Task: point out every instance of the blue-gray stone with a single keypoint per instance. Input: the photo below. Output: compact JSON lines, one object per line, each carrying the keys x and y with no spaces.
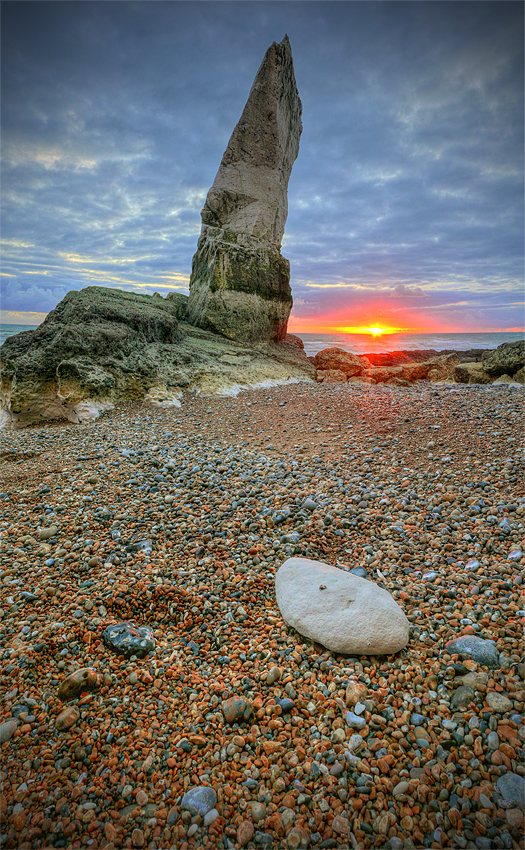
{"x":145,"y":546}
{"x":27,"y":596}
{"x":484,"y":843}
{"x":471,"y":646}
{"x":309,"y":505}
{"x":511,"y":786}
{"x":199,"y":800}
{"x":359,"y":571}
{"x":354,"y":721}
{"x":314,"y":770}
{"x":493,"y":741}
{"x":417,"y":719}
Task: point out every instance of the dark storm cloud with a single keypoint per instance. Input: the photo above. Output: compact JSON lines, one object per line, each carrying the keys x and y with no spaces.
{"x":409,"y":179}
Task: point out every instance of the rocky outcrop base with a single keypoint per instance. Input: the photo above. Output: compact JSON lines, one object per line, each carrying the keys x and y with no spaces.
{"x":239,"y":288}
{"x":101,"y":346}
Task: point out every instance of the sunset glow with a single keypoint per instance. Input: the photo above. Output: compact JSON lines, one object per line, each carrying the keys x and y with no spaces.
{"x":376,"y":331}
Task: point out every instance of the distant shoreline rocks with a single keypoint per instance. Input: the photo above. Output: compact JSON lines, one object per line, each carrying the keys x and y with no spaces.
{"x":401,"y":368}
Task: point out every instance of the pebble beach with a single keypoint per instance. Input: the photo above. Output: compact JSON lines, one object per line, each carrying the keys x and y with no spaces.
{"x":219,"y":726}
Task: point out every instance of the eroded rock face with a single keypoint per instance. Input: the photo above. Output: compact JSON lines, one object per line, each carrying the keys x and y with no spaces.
{"x":101,"y":346}
{"x":341,"y":611}
{"x":240,"y":282}
{"x":506,"y":359}
{"x":341,"y":360}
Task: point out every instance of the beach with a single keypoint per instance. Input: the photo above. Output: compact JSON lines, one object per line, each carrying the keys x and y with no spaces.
{"x":177,"y":520}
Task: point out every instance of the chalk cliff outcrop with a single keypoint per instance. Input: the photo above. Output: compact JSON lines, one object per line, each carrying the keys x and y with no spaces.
{"x":240,"y":282}
{"x":100,"y":346}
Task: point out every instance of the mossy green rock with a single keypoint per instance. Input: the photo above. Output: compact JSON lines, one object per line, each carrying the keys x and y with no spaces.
{"x":101,"y":346}
{"x":241,"y":291}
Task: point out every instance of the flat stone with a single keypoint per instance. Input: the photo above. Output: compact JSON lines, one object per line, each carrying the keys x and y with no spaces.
{"x":400,"y":788}
{"x":343,"y":612}
{"x":245,"y":832}
{"x":498,"y":702}
{"x":462,"y":697}
{"x":341,"y":825}
{"x":67,"y":718}
{"x":199,"y":800}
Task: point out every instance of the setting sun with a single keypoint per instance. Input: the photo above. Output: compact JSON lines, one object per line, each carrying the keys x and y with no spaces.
{"x":375,"y":331}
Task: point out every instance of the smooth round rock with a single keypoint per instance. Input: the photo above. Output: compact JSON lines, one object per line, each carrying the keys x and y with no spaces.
{"x":498,"y":702}
{"x":234,"y":709}
{"x":245,"y":832}
{"x":210,"y":817}
{"x":470,"y":646}
{"x":341,"y":611}
{"x":85,"y":679}
{"x":7,"y":730}
{"x":128,"y":639}
{"x":199,"y":800}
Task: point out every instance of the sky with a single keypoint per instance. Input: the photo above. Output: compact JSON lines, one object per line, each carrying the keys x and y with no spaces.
{"x":405,"y":202}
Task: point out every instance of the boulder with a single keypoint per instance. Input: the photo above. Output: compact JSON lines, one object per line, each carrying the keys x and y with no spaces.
{"x":341,"y":611}
{"x":101,"y":346}
{"x":506,"y":359}
{"x":471,"y":373}
{"x":341,"y":360}
{"x":240,"y":282}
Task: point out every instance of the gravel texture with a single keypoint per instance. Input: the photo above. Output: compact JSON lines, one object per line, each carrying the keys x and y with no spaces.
{"x":177,"y":520}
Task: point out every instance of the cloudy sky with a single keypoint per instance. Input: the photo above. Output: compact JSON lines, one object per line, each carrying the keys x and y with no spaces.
{"x":406,"y":200}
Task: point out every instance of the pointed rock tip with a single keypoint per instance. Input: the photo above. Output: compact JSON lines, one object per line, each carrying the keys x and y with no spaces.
{"x":284,"y":43}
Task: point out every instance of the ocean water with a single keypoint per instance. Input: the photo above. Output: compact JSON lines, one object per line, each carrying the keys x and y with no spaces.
{"x":368,"y":344}
{"x":11,"y":330}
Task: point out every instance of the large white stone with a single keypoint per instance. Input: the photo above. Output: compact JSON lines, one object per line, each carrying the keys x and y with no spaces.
{"x":341,"y":611}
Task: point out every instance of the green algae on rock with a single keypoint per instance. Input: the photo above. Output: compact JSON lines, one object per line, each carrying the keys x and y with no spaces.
{"x":101,"y":346}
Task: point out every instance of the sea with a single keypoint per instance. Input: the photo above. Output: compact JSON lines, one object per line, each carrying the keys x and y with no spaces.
{"x":11,"y":330}
{"x":368,"y":344}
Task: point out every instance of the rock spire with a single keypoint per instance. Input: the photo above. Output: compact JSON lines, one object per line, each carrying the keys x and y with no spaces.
{"x":240,"y":282}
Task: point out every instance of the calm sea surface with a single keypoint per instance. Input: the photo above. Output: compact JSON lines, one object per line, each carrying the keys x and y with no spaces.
{"x":11,"y":330}
{"x":365,"y":343}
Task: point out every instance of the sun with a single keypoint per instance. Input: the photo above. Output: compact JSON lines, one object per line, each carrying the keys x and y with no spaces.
{"x":375,"y":331}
